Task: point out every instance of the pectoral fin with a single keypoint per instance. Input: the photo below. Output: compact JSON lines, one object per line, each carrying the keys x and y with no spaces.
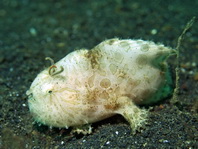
{"x":133,"y":114}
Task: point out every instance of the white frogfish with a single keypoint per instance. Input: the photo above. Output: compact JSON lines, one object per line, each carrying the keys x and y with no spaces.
{"x":87,"y":86}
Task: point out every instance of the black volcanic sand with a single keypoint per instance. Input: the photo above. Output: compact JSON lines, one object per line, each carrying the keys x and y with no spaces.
{"x":33,"y":30}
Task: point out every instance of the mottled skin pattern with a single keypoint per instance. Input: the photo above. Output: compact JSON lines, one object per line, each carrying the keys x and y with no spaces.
{"x":112,"y":78}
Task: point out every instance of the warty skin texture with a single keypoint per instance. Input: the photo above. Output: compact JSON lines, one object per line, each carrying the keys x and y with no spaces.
{"x":90,"y":85}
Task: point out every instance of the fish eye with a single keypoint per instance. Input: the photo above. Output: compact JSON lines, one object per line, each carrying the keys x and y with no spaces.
{"x":50,"y":92}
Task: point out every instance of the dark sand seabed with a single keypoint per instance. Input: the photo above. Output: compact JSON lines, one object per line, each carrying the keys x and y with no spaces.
{"x":31,"y":30}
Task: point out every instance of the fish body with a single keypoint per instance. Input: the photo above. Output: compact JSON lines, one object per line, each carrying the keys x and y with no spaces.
{"x":114,"y":77}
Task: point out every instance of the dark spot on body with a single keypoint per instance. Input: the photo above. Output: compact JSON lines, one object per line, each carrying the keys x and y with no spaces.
{"x":92,"y":95}
{"x":142,"y":60}
{"x":105,"y":83}
{"x":94,"y":56}
{"x":104,"y":95}
{"x":112,"y":41}
{"x":144,"y":48}
{"x":111,"y":106}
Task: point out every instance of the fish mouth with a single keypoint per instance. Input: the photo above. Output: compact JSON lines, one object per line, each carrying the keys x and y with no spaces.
{"x":28,"y":92}
{"x":30,"y":95}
